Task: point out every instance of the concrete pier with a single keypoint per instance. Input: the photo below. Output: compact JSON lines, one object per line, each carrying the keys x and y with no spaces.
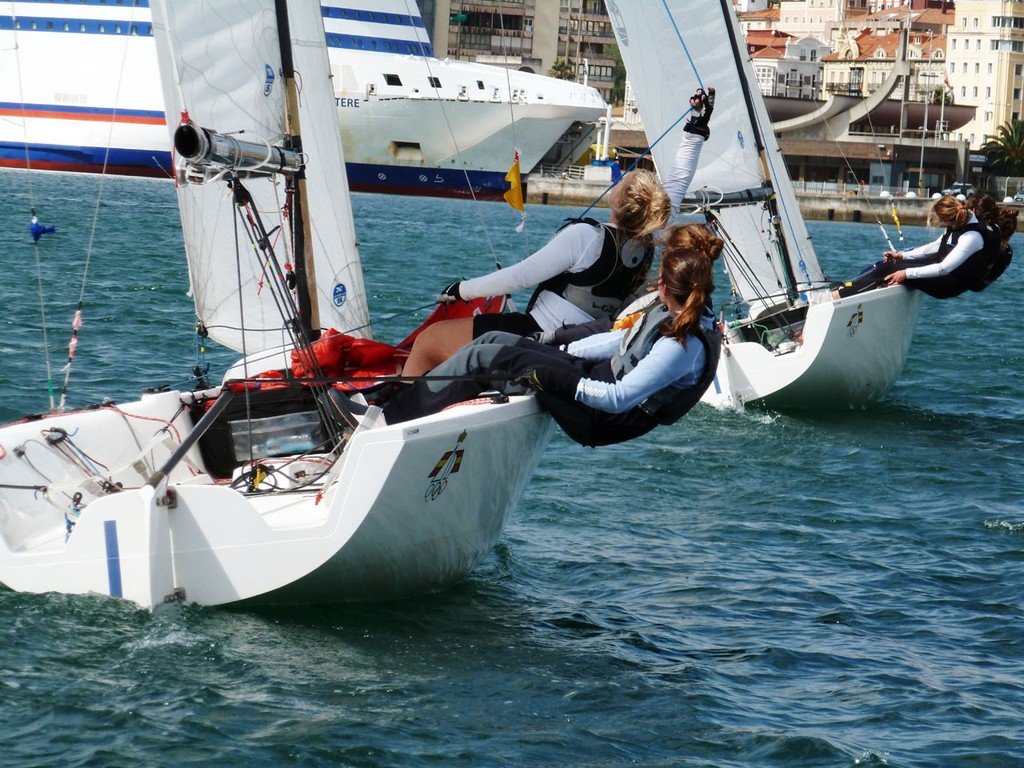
{"x":546,"y":190}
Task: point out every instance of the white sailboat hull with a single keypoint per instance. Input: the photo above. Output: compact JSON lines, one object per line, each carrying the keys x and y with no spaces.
{"x":410,"y":508}
{"x":850,"y":353}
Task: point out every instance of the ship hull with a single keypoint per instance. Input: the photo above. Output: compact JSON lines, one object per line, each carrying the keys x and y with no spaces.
{"x":410,"y":124}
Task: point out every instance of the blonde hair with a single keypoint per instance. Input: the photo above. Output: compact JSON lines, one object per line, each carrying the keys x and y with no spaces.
{"x":641,"y":204}
{"x":687,"y":271}
{"x":947,"y":211}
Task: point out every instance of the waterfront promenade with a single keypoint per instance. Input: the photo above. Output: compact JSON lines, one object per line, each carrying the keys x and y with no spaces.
{"x":816,"y":206}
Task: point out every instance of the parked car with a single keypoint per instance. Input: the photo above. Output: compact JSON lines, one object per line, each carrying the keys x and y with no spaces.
{"x":959,"y":188}
{"x":1019,"y":197}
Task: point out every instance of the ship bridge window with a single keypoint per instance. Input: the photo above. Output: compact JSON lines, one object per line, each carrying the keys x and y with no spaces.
{"x":392,"y":79}
{"x":435,"y":82}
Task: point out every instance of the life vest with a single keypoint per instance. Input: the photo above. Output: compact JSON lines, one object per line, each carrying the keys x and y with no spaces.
{"x":994,"y":267}
{"x":975,"y":267}
{"x":600,"y":288}
{"x":669,"y":404}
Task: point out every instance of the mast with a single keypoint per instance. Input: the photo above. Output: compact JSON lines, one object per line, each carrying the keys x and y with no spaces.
{"x":748,"y":100}
{"x":305,"y":276}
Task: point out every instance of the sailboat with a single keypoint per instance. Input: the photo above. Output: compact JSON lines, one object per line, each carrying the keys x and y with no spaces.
{"x":252,"y":491}
{"x":787,"y":342}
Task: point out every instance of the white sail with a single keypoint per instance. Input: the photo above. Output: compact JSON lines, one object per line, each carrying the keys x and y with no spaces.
{"x":672,"y":48}
{"x":229,"y":79}
{"x":788,"y":342}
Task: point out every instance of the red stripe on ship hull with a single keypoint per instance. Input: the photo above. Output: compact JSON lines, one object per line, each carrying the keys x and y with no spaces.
{"x":102,"y":118}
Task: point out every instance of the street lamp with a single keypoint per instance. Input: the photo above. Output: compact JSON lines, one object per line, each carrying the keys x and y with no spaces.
{"x":924,"y":134}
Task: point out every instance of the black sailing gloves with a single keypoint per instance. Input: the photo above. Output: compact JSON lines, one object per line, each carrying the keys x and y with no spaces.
{"x":449,"y":294}
{"x":701,"y":105}
{"x":557,"y":381}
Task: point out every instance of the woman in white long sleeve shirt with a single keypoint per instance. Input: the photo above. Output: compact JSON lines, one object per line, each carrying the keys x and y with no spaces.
{"x":956,"y":261}
{"x":608,"y":387}
{"x":587,"y":269}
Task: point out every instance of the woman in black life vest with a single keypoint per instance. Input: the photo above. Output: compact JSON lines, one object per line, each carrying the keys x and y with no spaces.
{"x":587,"y":270}
{"x":607,"y":387}
{"x":957,"y":261}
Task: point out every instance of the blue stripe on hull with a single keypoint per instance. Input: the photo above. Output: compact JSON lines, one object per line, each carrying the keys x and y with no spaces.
{"x":434,"y":182}
{"x":362,"y":177}
{"x":97,"y":3}
{"x":56,"y":157}
{"x":120,"y":27}
{"x":113,"y":558}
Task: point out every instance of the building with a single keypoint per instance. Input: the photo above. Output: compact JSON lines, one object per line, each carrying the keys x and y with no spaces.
{"x":986,"y":58}
{"x":528,"y":34}
{"x":804,"y":52}
{"x":788,"y":67}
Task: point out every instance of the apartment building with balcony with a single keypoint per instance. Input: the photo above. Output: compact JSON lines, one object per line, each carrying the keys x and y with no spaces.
{"x":786,"y":66}
{"x":528,"y":34}
{"x":986,"y":63}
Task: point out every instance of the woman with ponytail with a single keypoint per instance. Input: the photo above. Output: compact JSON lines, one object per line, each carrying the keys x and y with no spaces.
{"x":607,"y":387}
{"x":957,"y":261}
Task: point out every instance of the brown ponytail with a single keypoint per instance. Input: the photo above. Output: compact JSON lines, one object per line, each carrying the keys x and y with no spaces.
{"x":687,"y":271}
{"x":641,"y":204}
{"x":947,"y":211}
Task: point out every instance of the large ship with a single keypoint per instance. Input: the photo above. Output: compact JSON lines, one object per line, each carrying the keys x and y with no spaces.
{"x":80,"y":92}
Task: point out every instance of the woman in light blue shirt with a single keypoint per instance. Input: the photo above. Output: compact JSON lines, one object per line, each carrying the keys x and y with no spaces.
{"x":607,"y":387}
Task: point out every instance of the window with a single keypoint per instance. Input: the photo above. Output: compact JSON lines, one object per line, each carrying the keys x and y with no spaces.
{"x":395,"y":79}
{"x":434,"y":81}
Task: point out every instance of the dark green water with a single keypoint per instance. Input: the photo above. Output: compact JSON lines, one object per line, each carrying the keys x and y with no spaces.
{"x":741,"y":589}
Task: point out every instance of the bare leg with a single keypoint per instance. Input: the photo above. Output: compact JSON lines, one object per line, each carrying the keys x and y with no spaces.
{"x":436,"y":343}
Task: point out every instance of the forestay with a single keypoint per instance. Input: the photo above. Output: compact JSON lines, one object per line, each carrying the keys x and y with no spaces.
{"x":671,"y":47}
{"x":233,"y":83}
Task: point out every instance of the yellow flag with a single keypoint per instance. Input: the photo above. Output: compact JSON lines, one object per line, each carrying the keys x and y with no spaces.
{"x":514,"y":196}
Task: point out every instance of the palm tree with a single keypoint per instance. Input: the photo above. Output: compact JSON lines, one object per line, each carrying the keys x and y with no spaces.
{"x":563,"y":70}
{"x":1005,"y":150}
{"x":618,"y":92}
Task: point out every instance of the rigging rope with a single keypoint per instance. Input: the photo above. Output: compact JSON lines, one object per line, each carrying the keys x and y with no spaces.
{"x":458,"y":150}
{"x":683,"y":116}
{"x":871,"y":205}
{"x":32,"y":207}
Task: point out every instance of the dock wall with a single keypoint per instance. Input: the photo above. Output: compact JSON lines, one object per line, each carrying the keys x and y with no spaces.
{"x":545,"y":190}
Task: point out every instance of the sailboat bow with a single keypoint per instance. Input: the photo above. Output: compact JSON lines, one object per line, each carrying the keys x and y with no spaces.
{"x":261,"y":490}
